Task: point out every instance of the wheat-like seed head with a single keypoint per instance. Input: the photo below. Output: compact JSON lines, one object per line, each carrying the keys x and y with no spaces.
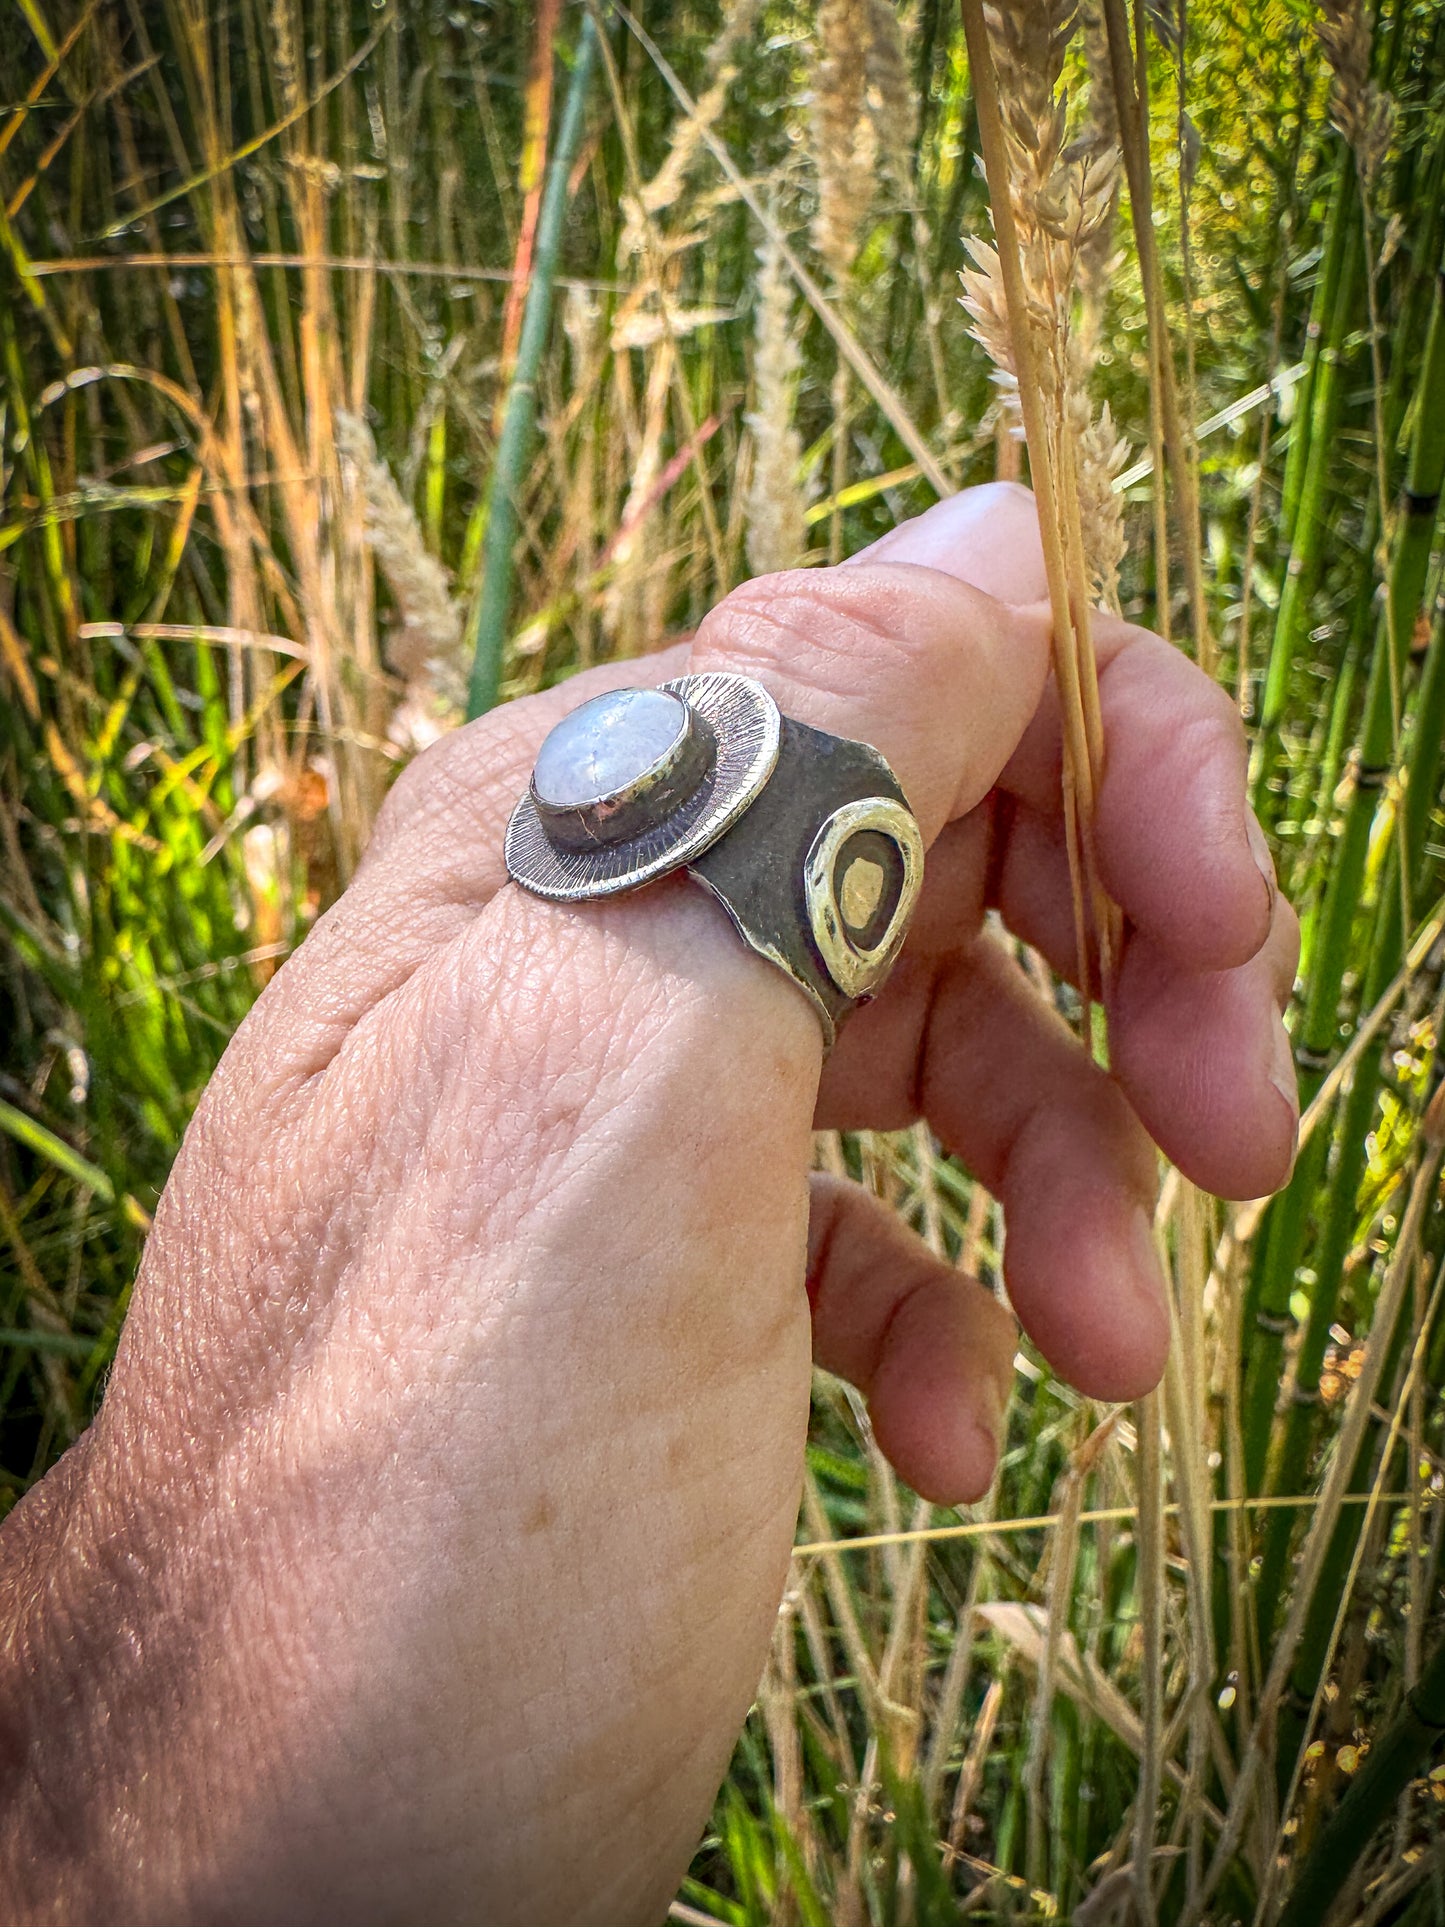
{"x":863,"y":123}
{"x":667,"y":184}
{"x":1064,"y":199}
{"x":845,"y":137}
{"x":1103,"y":456}
{"x":985,"y":299}
{"x":425,"y":647}
{"x":1029,"y":41}
{"x":1362,"y":111}
{"x":776,"y":532}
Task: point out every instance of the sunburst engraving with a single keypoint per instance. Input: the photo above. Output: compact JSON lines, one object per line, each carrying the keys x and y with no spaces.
{"x":745,"y":723}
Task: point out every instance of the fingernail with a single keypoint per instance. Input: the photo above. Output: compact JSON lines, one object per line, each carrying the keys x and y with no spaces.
{"x":1260,"y":851}
{"x":1147,"y":1270}
{"x":992,"y":1412}
{"x":1281,"y":1073}
{"x":987,"y":536}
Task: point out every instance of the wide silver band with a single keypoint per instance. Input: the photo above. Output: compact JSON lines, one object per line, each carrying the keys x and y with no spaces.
{"x":806,"y":839}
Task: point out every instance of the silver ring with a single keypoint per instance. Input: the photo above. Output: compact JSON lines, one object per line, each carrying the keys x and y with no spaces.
{"x":806,"y":839}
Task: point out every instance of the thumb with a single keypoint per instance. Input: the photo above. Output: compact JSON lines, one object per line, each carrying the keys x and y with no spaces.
{"x":986,"y":536}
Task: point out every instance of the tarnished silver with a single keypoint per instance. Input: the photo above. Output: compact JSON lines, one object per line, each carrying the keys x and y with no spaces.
{"x":806,"y":839}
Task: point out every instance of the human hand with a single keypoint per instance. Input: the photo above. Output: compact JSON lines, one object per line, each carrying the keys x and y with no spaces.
{"x":423,"y":1558}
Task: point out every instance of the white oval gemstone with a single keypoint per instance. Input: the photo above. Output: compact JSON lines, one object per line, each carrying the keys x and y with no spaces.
{"x":606,"y":745}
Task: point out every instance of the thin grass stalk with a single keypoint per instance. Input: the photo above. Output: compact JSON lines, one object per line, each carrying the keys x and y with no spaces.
{"x":840,"y":1599}
{"x":970,"y":1775}
{"x":513,"y":446}
{"x":1149,"y":1540}
{"x":778,"y":1695}
{"x":1313,"y":1555}
{"x":1063,"y":1564}
{"x":1348,"y":1161}
{"x":838,"y":408}
{"x":1288,"y":1470}
{"x":1343,"y":207}
{"x":1166,"y":429}
{"x":813,"y":1631}
{"x":653,"y":255}
{"x":1416,"y":1474}
{"x":1325,"y":1615}
{"x":1313,"y":796}
{"x":955,"y":1682}
{"x":1422,"y":1717}
{"x":1186,"y":1394}
{"x":1319,"y":1023}
{"x":1394,"y":642}
{"x":1323,"y":395}
{"x":884,"y":394}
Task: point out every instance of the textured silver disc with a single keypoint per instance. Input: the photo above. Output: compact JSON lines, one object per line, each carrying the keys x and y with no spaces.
{"x":745,"y":724}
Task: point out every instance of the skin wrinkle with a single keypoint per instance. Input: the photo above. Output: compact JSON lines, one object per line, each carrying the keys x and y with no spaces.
{"x":569,"y":1236}
{"x":832,"y":641}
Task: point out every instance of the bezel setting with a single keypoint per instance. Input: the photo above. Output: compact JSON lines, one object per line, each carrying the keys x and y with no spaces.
{"x":858,"y":966}
{"x":630,"y":809}
{"x":738,"y":720}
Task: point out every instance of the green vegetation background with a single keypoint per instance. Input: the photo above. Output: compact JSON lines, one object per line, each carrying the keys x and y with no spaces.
{"x":255,"y":341}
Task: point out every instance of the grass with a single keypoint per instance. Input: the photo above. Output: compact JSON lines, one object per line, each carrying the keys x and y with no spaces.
{"x":1184,"y":1664}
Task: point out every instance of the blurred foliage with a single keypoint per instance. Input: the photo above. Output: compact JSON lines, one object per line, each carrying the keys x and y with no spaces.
{"x":236,"y":241}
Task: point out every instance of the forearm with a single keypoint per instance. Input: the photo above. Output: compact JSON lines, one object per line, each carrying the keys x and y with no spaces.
{"x":465,"y":1610}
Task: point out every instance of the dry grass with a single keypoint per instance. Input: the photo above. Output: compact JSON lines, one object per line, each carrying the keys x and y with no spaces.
{"x":267,"y":271}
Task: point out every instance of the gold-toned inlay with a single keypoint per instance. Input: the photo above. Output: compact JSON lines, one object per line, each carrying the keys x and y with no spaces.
{"x":861,"y":889}
{"x":858,"y":969}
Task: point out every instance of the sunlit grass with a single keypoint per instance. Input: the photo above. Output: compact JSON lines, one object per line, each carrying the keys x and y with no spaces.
{"x":1135,"y":1682}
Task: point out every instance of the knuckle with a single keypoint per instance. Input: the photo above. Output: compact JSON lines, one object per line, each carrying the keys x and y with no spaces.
{"x":409,"y":792}
{"x":432,"y":784}
{"x":827,"y":632}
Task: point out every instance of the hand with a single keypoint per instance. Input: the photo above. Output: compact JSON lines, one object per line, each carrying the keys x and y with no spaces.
{"x":423,"y":1558}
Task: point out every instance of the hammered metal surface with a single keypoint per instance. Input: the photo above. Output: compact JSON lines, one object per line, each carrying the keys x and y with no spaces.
{"x":758,"y":872}
{"x":746,"y":723}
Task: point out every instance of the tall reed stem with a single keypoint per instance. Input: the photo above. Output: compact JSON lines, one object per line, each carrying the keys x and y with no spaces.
{"x":515,"y":442}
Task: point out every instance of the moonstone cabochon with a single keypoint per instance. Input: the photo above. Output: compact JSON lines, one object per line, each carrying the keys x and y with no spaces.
{"x":607,"y":745}
{"x":746,"y":724}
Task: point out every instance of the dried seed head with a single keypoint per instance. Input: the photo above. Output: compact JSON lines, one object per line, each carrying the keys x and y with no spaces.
{"x":1063,"y":197}
{"x":1103,"y":456}
{"x":667,"y":184}
{"x":864,"y":116}
{"x":984,"y":298}
{"x":1064,"y":200}
{"x":845,"y":141}
{"x":425,"y":647}
{"x":1362,"y":111}
{"x":776,"y":532}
